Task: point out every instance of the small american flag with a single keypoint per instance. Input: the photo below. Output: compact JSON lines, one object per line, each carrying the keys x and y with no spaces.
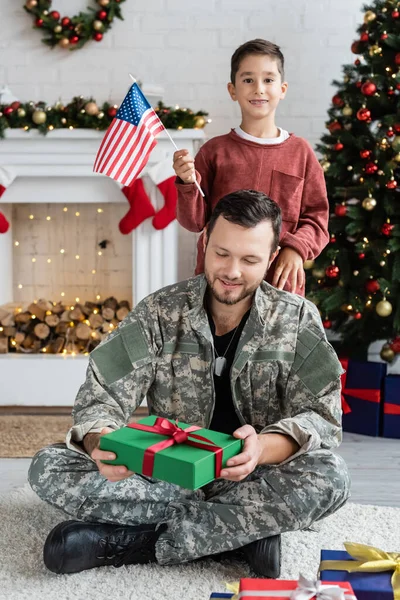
{"x":129,"y":140}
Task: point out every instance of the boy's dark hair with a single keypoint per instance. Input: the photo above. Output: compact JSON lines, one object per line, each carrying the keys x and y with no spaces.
{"x":248,"y":208}
{"x":257,"y":46}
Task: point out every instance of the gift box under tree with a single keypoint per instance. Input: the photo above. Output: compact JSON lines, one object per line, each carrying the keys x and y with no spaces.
{"x":303,"y":589}
{"x":391,"y":407}
{"x":179,"y":453}
{"x":361,"y":388}
{"x":373,"y":573}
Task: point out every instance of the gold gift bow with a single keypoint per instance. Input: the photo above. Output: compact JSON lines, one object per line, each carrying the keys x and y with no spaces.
{"x":368,"y":560}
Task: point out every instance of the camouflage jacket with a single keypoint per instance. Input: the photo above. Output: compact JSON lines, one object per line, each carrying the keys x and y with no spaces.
{"x":284,"y":379}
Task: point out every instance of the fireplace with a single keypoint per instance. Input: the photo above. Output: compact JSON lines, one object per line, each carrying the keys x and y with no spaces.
{"x":67,"y":209}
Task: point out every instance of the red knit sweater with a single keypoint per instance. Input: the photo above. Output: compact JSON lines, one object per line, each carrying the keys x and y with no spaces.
{"x":287,"y":172}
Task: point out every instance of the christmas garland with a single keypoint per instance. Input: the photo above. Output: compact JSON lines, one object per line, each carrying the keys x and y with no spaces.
{"x":84,"y":113}
{"x":73,"y":32}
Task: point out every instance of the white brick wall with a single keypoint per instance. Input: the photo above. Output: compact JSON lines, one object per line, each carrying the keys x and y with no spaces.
{"x":185,"y":46}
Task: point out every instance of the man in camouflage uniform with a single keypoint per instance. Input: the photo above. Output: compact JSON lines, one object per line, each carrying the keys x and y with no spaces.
{"x":284,"y":402}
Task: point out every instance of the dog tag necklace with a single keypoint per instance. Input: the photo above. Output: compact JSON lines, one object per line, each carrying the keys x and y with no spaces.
{"x":220,"y":361}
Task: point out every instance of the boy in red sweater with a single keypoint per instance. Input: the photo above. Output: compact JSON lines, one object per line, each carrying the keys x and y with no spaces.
{"x":259,"y":155}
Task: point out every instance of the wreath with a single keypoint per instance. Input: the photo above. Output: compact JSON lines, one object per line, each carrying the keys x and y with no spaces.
{"x":73,"y":32}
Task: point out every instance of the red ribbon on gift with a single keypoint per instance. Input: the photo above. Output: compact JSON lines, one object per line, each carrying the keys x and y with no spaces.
{"x":391,"y":409}
{"x":177,"y":435}
{"x":363,"y":394}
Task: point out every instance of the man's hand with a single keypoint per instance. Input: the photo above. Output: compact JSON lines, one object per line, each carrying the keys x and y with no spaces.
{"x":289,"y":268}
{"x":184,"y":166}
{"x":241,"y":465}
{"x":113,"y":473}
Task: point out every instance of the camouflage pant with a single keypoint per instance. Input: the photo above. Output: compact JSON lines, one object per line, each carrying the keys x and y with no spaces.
{"x":221,"y":516}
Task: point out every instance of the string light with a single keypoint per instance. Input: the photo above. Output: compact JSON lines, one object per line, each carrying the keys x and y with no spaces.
{"x":98,"y":297}
{"x":100,"y":253}
{"x":93,"y":271}
{"x":76,"y":299}
{"x":31,"y":217}
{"x":33,"y":259}
{"x":99,"y":210}
{"x":16,"y":243}
{"x":77,"y":214}
{"x":65,"y":209}
{"x":49,"y":260}
{"x":62,"y":251}
{"x":63,"y":294}
{"x":77,"y":256}
{"x":1,"y":329}
{"x":48,"y":218}
{"x":33,"y":316}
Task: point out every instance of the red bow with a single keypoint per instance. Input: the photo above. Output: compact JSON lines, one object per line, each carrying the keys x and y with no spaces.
{"x":362,"y":393}
{"x":177,"y":436}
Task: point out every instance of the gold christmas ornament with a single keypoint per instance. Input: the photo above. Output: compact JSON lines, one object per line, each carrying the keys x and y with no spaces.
{"x":199,"y":121}
{"x":397,"y":157}
{"x":308,"y":264}
{"x":21,"y":112}
{"x":325,"y":164}
{"x":31,"y":4}
{"x":98,"y":25}
{"x":387,"y":353}
{"x":39,"y":117}
{"x":57,"y":29}
{"x":104,"y":2}
{"x":64,"y":43}
{"x":347,"y":111}
{"x":384,"y":308}
{"x":100,"y":115}
{"x":396,"y":143}
{"x":369,"y":16}
{"x":91,"y":108}
{"x":368,"y":203}
{"x":375,"y":49}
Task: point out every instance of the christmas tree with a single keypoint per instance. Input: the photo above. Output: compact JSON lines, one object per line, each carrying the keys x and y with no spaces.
{"x":355,"y":282}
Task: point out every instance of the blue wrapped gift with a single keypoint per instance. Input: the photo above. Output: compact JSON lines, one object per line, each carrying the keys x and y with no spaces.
{"x":221,"y":595}
{"x":391,"y":407}
{"x":362,"y":385}
{"x":366,"y":586}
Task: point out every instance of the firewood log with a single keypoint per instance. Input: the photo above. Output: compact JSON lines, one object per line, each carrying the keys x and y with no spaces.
{"x":44,"y":304}
{"x":108,"y":313}
{"x":52,"y":320}
{"x":42,"y":331}
{"x":111,"y":303}
{"x":125,"y":304}
{"x":3,"y":345}
{"x":95,"y":321}
{"x":121,"y":313}
{"x":9,"y":331}
{"x":56,"y":345}
{"x":76,"y":314}
{"x":34,"y":309}
{"x":22,"y":318}
{"x":83,"y":331}
{"x":19,"y":337}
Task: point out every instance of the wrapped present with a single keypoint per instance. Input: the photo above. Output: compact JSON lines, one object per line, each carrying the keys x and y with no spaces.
{"x":221,"y":595}
{"x":361,"y":388}
{"x":391,"y":407}
{"x":373,"y":573}
{"x":303,"y":589}
{"x":183,"y":454}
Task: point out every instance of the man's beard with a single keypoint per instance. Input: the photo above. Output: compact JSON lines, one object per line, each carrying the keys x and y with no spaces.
{"x":245,"y":293}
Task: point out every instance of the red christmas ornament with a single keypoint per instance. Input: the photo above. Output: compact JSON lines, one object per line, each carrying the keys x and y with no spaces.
{"x":363,"y":114}
{"x":357,"y":62}
{"x":390,"y":91}
{"x":74,"y":39}
{"x":364,"y":37}
{"x":334,"y":126}
{"x":368,"y":88}
{"x":55,"y":15}
{"x":102,"y":15}
{"x":387,"y":229}
{"x":332,"y":272}
{"x":365,"y":153}
{"x":15,"y":105}
{"x":384,"y":36}
{"x":395,"y":14}
{"x":355,"y":47}
{"x":338,"y":146}
{"x":370,"y":168}
{"x":392,"y":184}
{"x":327,"y":323}
{"x":8,"y":111}
{"x":112,"y":111}
{"x":39,"y":22}
{"x":337,"y":101}
{"x":340,"y":210}
{"x":332,"y":240}
{"x":396,"y":127}
{"x":397,"y":58}
{"x":390,"y":132}
{"x":358,"y":315}
{"x":65,"y":21}
{"x":397,"y":86}
{"x":358,"y":84}
{"x":98,"y":36}
{"x":372,"y":286}
{"x":395,"y":345}
{"x":361,"y":256}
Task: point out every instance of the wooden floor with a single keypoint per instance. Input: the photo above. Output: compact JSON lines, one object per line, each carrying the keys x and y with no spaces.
{"x":374,"y":465}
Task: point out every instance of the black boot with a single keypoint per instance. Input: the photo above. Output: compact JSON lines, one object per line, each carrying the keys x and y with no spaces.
{"x":264,"y":556}
{"x":74,"y":546}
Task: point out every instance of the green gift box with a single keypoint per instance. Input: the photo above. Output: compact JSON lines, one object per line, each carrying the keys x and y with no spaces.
{"x":184,"y":464}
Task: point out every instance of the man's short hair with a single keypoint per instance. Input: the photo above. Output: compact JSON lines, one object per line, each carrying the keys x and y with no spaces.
{"x":257,"y":46}
{"x":248,"y":208}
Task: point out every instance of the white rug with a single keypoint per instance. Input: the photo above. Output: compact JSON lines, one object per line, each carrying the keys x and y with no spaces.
{"x":25,"y":522}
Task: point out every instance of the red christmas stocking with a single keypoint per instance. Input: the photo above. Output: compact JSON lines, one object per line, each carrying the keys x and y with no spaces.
{"x":140,"y":207}
{"x":168,"y":212}
{"x":4,"y":224}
